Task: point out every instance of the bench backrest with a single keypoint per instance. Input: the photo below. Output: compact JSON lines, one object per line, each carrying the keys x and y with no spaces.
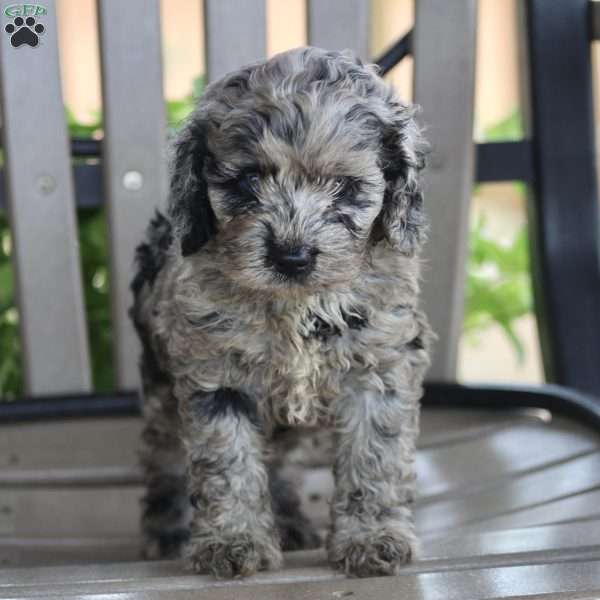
{"x":38,"y":172}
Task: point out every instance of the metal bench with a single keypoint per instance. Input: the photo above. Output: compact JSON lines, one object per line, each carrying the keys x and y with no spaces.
{"x":508,"y":503}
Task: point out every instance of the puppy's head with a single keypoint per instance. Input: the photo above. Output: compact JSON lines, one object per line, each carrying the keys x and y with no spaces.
{"x":288,"y":172}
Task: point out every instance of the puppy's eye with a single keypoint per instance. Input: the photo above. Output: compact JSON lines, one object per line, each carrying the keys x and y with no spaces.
{"x":344,"y":188}
{"x":248,"y":183}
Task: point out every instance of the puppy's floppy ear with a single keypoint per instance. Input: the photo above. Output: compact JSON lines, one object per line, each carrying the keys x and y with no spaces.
{"x":402,"y":221}
{"x":189,"y":208}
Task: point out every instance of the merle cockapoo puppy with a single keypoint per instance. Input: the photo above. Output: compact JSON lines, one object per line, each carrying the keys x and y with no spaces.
{"x":281,"y":291}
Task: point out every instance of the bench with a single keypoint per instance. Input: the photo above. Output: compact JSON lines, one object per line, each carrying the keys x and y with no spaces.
{"x":496,"y":520}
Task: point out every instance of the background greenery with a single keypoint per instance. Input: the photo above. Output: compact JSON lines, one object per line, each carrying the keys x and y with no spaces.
{"x":498,"y":289}
{"x":498,"y":286}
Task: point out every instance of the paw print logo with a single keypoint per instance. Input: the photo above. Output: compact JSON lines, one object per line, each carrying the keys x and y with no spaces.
{"x":24,"y":31}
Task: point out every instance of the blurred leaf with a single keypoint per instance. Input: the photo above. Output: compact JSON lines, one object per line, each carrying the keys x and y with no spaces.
{"x":94,"y":260}
{"x":10,"y":352}
{"x":178,"y":110}
{"x":498,"y":287}
{"x":510,"y":128}
{"x":82,"y":130}
{"x":6,"y":292}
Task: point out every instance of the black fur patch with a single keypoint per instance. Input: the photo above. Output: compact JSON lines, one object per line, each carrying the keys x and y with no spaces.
{"x":395,"y":166}
{"x":150,"y":255}
{"x":355,"y":321}
{"x":333,"y":216}
{"x":223,"y":403}
{"x":170,"y":542}
{"x":189,"y":206}
{"x":416,"y":344}
{"x":323,"y":330}
{"x":167,"y":501}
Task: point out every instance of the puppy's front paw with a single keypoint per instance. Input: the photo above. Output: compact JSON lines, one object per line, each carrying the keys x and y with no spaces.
{"x":370,"y":553}
{"x":237,"y":556}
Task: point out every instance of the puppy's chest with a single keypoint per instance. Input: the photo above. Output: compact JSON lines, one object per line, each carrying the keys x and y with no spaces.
{"x":299,"y":347}
{"x":294,"y":362}
{"x":306,"y":360}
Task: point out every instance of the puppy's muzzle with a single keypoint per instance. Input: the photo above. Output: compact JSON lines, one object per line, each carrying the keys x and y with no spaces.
{"x":292,"y":261}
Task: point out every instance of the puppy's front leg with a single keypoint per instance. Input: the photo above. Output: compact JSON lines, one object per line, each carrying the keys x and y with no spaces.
{"x":233,"y":530}
{"x":373,"y":532}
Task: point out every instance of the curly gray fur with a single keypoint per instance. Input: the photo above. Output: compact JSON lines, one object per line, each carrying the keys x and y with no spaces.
{"x":310,"y":150}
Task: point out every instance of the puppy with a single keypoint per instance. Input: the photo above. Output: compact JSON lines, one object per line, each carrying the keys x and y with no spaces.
{"x":281,"y":290}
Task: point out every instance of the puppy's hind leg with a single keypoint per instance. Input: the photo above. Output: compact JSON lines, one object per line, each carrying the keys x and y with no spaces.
{"x":165,"y":506}
{"x":295,"y":529}
{"x":233,"y":529}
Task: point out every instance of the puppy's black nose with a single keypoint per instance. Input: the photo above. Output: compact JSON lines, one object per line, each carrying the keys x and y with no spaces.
{"x":291,"y":260}
{"x":295,"y":258}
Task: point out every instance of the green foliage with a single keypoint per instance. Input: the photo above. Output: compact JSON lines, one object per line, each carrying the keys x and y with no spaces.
{"x":497,"y":291}
{"x":498,"y":286}
{"x":94,"y":261}
{"x":10,"y":348}
{"x":505,"y":130}
{"x":83,"y":130}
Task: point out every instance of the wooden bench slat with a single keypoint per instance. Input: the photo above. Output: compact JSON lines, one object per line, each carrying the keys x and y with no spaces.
{"x":135,"y":171}
{"x":339,"y":25}
{"x":235,"y":35}
{"x":444,"y":50}
{"x":48,"y":445}
{"x":550,"y":575}
{"x":70,"y":511}
{"x":39,"y":188}
{"x":578,"y":508}
{"x":575,"y":476}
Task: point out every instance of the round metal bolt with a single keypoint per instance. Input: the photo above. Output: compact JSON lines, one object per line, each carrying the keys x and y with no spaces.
{"x":133,"y":181}
{"x":45,"y":184}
